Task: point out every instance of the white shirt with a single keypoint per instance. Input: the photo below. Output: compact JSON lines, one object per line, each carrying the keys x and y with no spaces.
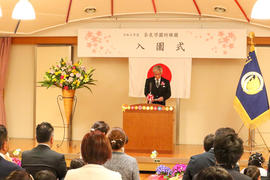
{"x":92,"y":172}
{"x":157,"y":80}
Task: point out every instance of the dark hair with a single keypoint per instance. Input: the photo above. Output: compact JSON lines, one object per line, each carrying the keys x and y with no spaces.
{"x":101,"y":126}
{"x":3,"y":135}
{"x":208,"y":142}
{"x":256,"y":159}
{"x":76,"y":163}
{"x":224,"y":131}
{"x":253,"y":172}
{"x":96,"y":148}
{"x":213,"y":173}
{"x":45,"y":175}
{"x":228,"y":150}
{"x":44,"y":132}
{"x":19,"y":175}
{"x":117,"y":137}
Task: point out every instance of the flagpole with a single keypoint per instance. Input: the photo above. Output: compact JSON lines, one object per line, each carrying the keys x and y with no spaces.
{"x":251,"y":134}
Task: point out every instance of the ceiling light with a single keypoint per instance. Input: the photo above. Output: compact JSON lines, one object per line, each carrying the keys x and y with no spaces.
{"x":260,"y":10}
{"x":90,"y":10}
{"x":220,"y":9}
{"x":23,"y":10}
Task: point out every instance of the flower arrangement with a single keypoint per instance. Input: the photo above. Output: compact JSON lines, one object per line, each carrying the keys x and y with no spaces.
{"x":68,"y":76}
{"x":165,"y":173}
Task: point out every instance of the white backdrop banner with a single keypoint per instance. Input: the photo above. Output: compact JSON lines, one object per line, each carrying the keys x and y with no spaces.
{"x":193,"y":43}
{"x":176,"y":70}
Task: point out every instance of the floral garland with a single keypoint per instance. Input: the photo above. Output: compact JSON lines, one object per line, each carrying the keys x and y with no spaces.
{"x":146,"y":107}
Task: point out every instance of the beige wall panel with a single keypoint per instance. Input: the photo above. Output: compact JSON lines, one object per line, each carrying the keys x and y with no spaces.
{"x":210,"y":107}
{"x":46,"y":103}
{"x":19,"y":91}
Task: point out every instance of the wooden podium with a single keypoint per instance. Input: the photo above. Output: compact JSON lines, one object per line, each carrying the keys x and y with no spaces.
{"x":149,"y":127}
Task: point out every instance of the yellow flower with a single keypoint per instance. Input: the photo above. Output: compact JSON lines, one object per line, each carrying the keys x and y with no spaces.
{"x":54,"y":80}
{"x":76,"y":64}
{"x":58,"y":72}
{"x":62,"y":81}
{"x":74,"y":71}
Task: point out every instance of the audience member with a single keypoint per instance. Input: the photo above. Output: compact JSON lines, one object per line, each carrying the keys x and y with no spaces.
{"x":101,"y":126}
{"x":213,"y":173}
{"x":95,"y":150}
{"x":19,"y":175}
{"x":201,"y":161}
{"x":257,"y":160}
{"x":45,"y":175}
{"x":224,"y":131}
{"x":208,"y":142}
{"x":124,"y":164}
{"x":76,"y":163}
{"x":6,"y":167}
{"x":253,"y":172}
{"x":228,"y":149}
{"x":42,"y":157}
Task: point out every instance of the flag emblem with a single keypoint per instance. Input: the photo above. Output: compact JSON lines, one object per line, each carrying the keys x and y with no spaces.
{"x":252,"y":83}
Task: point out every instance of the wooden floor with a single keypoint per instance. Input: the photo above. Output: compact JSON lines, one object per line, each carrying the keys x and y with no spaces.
{"x":181,"y":154}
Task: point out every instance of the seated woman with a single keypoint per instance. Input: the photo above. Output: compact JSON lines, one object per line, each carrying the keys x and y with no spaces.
{"x":96,"y":150}
{"x":257,"y":160}
{"x":124,"y":164}
{"x":101,"y":126}
{"x":253,"y":172}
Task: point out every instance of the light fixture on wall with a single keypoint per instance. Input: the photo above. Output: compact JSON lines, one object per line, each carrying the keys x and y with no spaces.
{"x":260,"y":10}
{"x":23,"y":10}
{"x":0,"y":11}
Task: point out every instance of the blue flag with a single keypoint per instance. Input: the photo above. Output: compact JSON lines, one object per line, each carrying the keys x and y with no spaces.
{"x":251,"y":101}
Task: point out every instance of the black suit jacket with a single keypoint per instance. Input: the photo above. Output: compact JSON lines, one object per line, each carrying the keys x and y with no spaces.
{"x":42,"y":156}
{"x":6,"y":168}
{"x":199,"y":162}
{"x":237,"y":175}
{"x":162,"y":91}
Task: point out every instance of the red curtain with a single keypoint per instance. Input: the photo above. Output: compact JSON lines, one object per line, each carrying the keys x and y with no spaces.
{"x":5,"y":45}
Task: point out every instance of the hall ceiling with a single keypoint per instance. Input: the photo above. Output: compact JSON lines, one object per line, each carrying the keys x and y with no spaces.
{"x":52,"y":13}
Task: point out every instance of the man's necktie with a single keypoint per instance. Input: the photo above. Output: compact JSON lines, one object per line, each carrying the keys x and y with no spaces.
{"x":157,"y":83}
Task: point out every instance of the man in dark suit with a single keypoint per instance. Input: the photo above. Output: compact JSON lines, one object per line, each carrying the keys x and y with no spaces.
{"x":157,"y":86}
{"x":42,"y":157}
{"x":201,"y":161}
{"x":6,"y":167}
{"x":228,"y":149}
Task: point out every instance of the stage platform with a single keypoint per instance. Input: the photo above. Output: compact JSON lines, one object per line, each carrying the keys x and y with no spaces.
{"x":181,"y":153}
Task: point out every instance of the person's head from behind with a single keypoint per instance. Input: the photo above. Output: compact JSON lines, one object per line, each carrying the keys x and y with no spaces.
{"x":224,"y":131}
{"x":19,"y":175}
{"x":253,"y":172}
{"x":101,"y":126}
{"x":228,"y":150}
{"x":44,"y":133}
{"x":3,"y":139}
{"x":118,"y":138}
{"x":256,"y":159}
{"x":45,"y":175}
{"x":208,"y":142}
{"x":157,"y":70}
{"x":76,"y":163}
{"x":95,"y":148}
{"x":213,"y":173}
